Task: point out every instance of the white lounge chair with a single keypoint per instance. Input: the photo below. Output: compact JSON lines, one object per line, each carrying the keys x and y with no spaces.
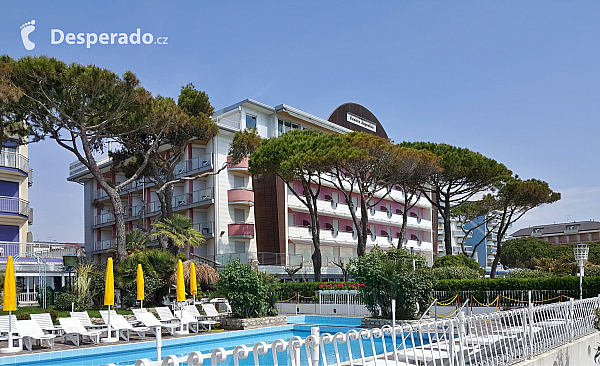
{"x":74,"y":329}
{"x":150,"y":321}
{"x":44,"y":320}
{"x":211,"y":312}
{"x":188,"y":320}
{"x":118,"y":322}
{"x":84,"y":319}
{"x":165,"y":315}
{"x":193,"y":310}
{"x":29,"y":330}
{"x":4,"y":327}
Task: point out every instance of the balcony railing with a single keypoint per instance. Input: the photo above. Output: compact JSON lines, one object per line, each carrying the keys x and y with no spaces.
{"x":240,"y":196}
{"x":261,"y":258}
{"x":30,"y":216}
{"x":13,"y":160}
{"x":242,"y":166}
{"x":203,"y":162}
{"x":198,"y":196}
{"x":42,"y":250}
{"x":104,"y":219}
{"x":105,"y":244}
{"x":205,"y":228}
{"x":241,"y":230}
{"x":227,"y":123}
{"x":14,"y":205}
{"x":30,"y":177}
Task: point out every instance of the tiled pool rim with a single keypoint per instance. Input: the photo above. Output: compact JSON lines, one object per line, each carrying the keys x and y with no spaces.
{"x":151,"y":345}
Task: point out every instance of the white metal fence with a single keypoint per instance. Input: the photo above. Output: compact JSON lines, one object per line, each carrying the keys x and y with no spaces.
{"x":328,"y":302}
{"x":501,"y":338}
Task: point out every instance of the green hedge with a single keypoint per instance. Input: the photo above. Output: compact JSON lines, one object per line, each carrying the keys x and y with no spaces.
{"x":591,"y":285}
{"x":308,"y":290}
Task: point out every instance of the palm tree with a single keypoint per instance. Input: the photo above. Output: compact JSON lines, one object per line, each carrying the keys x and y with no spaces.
{"x":136,"y":240}
{"x":180,"y":230}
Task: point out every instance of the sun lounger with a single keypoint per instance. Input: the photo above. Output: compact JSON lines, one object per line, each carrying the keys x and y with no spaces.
{"x":202,"y":319}
{"x":165,"y":315}
{"x":188,"y":320}
{"x":119,"y":323}
{"x":30,"y":331}
{"x":211,"y":312}
{"x":74,"y":330}
{"x":150,"y":321}
{"x":44,"y":320}
{"x":4,"y":326}
{"x":84,"y":319}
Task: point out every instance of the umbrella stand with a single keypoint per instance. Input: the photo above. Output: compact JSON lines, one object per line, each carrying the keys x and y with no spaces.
{"x":181,"y":330}
{"x":11,"y":348}
{"x":110,"y":338}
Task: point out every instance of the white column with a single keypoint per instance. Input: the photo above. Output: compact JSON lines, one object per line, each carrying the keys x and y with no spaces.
{"x":62,"y":280}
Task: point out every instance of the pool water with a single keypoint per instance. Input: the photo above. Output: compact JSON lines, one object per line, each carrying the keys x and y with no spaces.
{"x":335,"y":321}
{"x":127,"y":354}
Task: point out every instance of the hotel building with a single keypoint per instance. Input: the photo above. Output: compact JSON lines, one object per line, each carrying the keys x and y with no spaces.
{"x":256,"y":219}
{"x":35,"y":263}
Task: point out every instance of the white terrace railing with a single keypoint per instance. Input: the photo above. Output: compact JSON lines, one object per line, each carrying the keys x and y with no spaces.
{"x":41,"y":250}
{"x":500,"y":338}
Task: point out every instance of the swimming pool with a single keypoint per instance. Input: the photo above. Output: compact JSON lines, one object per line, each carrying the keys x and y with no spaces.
{"x":335,"y":321}
{"x":127,"y":354}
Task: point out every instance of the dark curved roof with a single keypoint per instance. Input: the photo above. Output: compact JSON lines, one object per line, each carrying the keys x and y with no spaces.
{"x":340,"y":117}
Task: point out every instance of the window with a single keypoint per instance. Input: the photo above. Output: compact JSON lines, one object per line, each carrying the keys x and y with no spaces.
{"x":250,"y":121}
{"x":240,"y":247}
{"x":238,"y":182}
{"x":239,"y":215}
{"x":285,"y":126}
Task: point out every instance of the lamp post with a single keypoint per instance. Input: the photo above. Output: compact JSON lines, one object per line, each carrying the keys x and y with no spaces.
{"x":581,"y":252}
{"x":70,"y":261}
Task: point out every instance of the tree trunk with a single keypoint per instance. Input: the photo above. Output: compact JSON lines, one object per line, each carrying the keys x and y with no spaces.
{"x":362,"y":233}
{"x":403,"y":227}
{"x":119,"y":214}
{"x":447,"y":227}
{"x":315,"y":232}
{"x":496,"y":259}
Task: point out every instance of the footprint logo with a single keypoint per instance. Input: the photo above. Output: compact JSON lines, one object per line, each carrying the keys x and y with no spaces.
{"x":26,"y":30}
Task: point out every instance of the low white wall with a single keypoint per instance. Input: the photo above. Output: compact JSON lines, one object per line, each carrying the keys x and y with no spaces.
{"x":577,"y":353}
{"x":323,"y":309}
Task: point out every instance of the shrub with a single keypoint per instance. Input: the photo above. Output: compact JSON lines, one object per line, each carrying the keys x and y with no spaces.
{"x":388,"y":275}
{"x":246,"y":290}
{"x":458,"y":260}
{"x":592,"y":271}
{"x":454,"y":273}
{"x":528,"y":273}
{"x":62,"y":302}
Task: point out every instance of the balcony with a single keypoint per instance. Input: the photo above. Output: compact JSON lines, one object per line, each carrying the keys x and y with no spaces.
{"x":105,"y":244}
{"x":206,"y":229}
{"x":241,"y":230}
{"x":241,"y":167}
{"x":30,"y":217}
{"x":195,"y":165}
{"x":240,"y":196}
{"x":100,"y":194}
{"x":14,"y":206}
{"x":30,"y":177}
{"x":227,"y":123}
{"x":105,"y":218}
{"x":195,"y":198}
{"x":13,"y":160}
{"x":41,"y":250}
{"x":262,"y":258}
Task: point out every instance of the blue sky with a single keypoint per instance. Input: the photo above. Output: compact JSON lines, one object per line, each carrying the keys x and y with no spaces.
{"x":517,"y":81}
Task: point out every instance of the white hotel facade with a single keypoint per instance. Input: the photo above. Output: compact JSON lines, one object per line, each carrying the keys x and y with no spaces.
{"x":255,"y":219}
